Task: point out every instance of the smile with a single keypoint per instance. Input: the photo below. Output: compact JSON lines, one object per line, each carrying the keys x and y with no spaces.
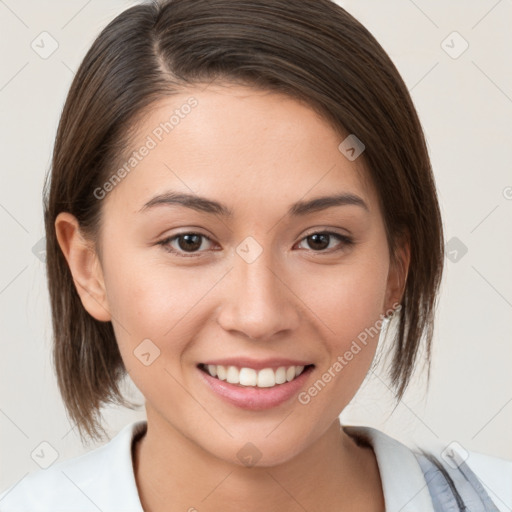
{"x":243,"y":376}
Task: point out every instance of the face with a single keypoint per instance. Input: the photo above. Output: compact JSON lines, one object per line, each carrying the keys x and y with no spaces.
{"x":255,"y":276}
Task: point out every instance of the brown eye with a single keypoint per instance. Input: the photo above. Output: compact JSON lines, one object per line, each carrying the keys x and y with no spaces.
{"x":320,"y":241}
{"x":190,"y":242}
{"x":187,"y":243}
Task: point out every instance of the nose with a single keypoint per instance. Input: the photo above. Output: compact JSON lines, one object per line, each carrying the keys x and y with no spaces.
{"x":258,"y":300}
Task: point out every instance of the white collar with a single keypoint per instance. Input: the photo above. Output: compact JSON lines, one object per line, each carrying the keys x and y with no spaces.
{"x":404,"y":486}
{"x":105,"y":475}
{"x":104,"y":478}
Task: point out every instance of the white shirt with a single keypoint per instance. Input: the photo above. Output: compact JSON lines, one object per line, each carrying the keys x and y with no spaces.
{"x":103,"y":479}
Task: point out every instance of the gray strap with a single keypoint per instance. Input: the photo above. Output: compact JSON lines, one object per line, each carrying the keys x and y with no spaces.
{"x":454,"y":489}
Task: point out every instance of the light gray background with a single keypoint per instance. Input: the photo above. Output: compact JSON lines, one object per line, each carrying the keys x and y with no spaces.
{"x":465,"y":105}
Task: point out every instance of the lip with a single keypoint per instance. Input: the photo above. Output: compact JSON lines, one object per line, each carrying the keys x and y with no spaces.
{"x":254,"y":398}
{"x":257,"y":364}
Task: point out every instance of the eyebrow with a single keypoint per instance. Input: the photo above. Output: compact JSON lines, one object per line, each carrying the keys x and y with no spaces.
{"x":299,"y":208}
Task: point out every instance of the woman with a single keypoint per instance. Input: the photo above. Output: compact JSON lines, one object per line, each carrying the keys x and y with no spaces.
{"x":240,"y":200}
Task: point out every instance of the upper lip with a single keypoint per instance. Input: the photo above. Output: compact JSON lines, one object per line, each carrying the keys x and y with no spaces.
{"x":256,"y":364}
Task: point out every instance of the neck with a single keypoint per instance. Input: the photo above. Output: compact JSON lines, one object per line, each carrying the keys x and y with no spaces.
{"x":334,"y":471}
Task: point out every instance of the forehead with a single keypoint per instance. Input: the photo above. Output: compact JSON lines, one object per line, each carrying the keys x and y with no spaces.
{"x":236,"y":142}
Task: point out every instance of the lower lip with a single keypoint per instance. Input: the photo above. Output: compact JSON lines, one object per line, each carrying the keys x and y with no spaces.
{"x":253,"y":398}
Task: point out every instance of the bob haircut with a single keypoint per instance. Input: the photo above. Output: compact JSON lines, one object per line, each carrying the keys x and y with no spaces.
{"x":311,"y":50}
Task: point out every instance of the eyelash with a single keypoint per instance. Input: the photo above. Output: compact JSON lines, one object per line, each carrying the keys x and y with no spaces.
{"x":346,"y":242}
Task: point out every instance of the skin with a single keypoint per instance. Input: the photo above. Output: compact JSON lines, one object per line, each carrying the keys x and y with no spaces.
{"x":257,"y":152}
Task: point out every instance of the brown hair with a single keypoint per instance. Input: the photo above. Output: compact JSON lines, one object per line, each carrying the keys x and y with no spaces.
{"x":312,"y":50}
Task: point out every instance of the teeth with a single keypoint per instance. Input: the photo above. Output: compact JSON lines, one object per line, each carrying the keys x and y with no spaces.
{"x":265,"y":378}
{"x":247,"y":377}
{"x":221,"y":372}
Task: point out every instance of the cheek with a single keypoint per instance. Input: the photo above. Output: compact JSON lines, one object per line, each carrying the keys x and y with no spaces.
{"x":349,"y":299}
{"x":349,"y":304}
{"x":152,"y":311}
{"x":151,"y":299}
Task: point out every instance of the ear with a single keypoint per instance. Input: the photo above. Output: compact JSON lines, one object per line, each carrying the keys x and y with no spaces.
{"x":84,"y":265}
{"x":397,"y":276}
